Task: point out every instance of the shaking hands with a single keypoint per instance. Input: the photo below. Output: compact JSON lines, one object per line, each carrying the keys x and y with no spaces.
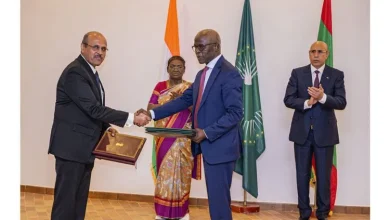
{"x":142,"y":117}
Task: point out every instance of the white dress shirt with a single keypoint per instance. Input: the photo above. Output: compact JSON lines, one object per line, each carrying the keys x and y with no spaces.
{"x":313,"y":77}
{"x":210,"y":65}
{"x":130,"y":118}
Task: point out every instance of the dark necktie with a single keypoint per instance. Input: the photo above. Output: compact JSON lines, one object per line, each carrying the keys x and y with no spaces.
{"x":99,"y":86}
{"x":316,"y":80}
{"x":200,"y":94}
{"x":97,"y":79}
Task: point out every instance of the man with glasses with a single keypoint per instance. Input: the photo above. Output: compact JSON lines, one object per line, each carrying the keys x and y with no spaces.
{"x":315,"y":91}
{"x":80,"y":119}
{"x":216,"y":97}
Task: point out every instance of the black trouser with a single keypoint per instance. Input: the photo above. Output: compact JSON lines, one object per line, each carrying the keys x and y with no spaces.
{"x":71,"y":190}
{"x":323,"y":162}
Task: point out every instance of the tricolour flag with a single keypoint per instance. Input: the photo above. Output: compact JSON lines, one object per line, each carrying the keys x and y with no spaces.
{"x":172,"y":48}
{"x":325,"y":35}
{"x":171,"y":39}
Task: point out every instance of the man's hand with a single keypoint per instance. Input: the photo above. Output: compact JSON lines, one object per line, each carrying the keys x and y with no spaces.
{"x":112,"y":131}
{"x":142,"y":117}
{"x":316,"y":93}
{"x":199,"y":137}
{"x":312,"y":101}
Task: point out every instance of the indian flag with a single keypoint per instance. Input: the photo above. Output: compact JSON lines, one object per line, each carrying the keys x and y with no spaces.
{"x":171,"y":39}
{"x":172,"y":48}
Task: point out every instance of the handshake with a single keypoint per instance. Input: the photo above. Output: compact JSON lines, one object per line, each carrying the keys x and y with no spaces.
{"x":142,"y":117}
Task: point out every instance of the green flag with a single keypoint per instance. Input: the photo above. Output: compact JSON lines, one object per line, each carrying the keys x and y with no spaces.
{"x":325,"y":29}
{"x":252,"y":123}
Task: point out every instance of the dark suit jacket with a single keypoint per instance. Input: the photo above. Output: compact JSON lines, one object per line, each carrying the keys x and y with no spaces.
{"x":220,"y":112}
{"x":80,"y":117}
{"x":325,"y":126}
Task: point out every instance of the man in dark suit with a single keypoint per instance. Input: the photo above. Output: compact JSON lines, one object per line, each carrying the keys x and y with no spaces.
{"x":315,"y":91}
{"x":216,"y":97}
{"x":80,"y":119}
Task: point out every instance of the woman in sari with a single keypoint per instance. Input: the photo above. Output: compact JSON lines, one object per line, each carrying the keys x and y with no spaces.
{"x":173,"y":165}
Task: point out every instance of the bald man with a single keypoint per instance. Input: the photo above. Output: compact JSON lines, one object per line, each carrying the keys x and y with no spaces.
{"x":315,"y":91}
{"x":80,"y":119}
{"x":216,"y":97}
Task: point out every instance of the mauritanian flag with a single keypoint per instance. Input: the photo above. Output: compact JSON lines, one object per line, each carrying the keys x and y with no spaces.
{"x":171,"y":39}
{"x":172,"y":48}
{"x":325,"y":34}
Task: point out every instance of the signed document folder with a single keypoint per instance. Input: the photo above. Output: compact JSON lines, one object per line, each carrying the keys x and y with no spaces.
{"x":170,"y":132}
{"x":122,"y":148}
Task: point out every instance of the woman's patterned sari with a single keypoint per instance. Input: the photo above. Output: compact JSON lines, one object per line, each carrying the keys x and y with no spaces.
{"x":173,"y":164}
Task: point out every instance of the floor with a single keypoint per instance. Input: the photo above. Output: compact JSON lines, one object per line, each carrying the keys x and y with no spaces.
{"x":38,"y":207}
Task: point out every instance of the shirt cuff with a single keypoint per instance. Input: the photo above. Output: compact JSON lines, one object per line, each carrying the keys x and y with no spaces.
{"x":205,"y":134}
{"x":152,"y":114}
{"x":323,"y":100}
{"x":130,"y":120}
{"x":306,"y":105}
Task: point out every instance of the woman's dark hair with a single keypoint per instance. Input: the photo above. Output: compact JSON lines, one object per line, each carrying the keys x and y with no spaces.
{"x":176,"y":58}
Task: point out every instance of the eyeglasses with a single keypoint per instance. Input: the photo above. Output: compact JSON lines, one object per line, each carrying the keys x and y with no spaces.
{"x":318,"y":51}
{"x":97,"y":48}
{"x":201,"y":47}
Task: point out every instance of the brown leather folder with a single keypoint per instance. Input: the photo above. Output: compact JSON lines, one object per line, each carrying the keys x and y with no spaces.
{"x":122,"y":148}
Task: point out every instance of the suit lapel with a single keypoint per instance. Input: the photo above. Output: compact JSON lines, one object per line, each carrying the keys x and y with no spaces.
{"x":213,"y":75}
{"x":104,"y":95}
{"x":308,"y":77}
{"x":325,"y":78}
{"x":196,"y":87}
{"x":95,"y":88}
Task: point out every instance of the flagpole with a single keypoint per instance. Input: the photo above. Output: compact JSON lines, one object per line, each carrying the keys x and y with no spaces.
{"x":315,"y":196}
{"x":245,"y":199}
{"x":313,"y":212}
{"x":244,"y":207}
